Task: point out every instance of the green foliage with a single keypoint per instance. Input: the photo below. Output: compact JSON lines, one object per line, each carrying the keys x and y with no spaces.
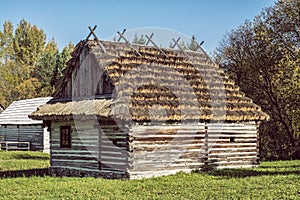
{"x":12,"y":75}
{"x":271,"y":180}
{"x":139,"y":39}
{"x":263,"y":58}
{"x":29,"y":66}
{"x":45,"y":68}
{"x":6,"y":42}
{"x":29,"y":43}
{"x":61,"y":62}
{"x":193,"y":45}
{"x":27,"y":89}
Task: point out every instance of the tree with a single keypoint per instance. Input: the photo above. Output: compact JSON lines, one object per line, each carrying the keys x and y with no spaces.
{"x":9,"y":79}
{"x":61,"y":62}
{"x":28,"y":88}
{"x":6,"y":42}
{"x":45,"y":68}
{"x":262,"y":56}
{"x":139,"y":39}
{"x":29,"y":42}
{"x":193,"y":45}
{"x":28,"y":63}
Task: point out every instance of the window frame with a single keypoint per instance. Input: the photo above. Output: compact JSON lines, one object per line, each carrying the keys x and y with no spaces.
{"x":63,"y":136}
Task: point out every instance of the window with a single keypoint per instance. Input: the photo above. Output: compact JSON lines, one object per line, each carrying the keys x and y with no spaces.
{"x":65,"y":137}
{"x":105,"y":85}
{"x":232,"y":139}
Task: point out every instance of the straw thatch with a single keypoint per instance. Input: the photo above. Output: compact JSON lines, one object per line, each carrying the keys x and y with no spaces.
{"x":148,"y":87}
{"x":1,"y":108}
{"x":86,"y":109}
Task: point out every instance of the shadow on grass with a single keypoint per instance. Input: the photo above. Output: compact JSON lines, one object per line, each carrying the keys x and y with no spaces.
{"x":269,"y":170}
{"x":30,"y":156}
{"x":280,"y":167}
{"x":241,"y":173}
{"x":25,"y":173}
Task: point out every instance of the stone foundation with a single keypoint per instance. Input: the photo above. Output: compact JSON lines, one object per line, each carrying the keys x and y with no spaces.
{"x":84,"y":173}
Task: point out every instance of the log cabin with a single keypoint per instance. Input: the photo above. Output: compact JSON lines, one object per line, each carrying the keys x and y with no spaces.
{"x":18,"y":131}
{"x":131,"y":111}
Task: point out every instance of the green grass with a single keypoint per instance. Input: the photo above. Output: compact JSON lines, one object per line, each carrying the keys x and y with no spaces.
{"x":22,"y":160}
{"x":271,"y":180}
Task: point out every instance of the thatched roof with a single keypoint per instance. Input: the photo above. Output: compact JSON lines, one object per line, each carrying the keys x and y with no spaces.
{"x":1,"y":108}
{"x":67,"y":109}
{"x":152,"y":87}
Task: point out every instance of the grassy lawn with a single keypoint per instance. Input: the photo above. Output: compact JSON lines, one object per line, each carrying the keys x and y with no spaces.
{"x":271,"y":180}
{"x":22,"y":160}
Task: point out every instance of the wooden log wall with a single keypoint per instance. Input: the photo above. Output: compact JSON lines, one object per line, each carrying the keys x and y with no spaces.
{"x":2,"y":133}
{"x":84,"y":151}
{"x":94,"y":148}
{"x":114,"y":149}
{"x":154,"y":150}
{"x":232,"y":145}
{"x":162,"y":150}
{"x":159,"y":150}
{"x":24,"y":133}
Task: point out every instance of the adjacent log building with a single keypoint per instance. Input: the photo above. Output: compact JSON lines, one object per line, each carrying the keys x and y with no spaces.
{"x":16,"y":126}
{"x":134,"y":111}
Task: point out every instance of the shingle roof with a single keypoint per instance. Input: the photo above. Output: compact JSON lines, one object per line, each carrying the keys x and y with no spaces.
{"x":17,"y":112}
{"x":182,"y":86}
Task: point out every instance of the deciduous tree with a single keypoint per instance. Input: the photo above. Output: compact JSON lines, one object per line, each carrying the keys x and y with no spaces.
{"x":263,"y":57}
{"x":28,"y":63}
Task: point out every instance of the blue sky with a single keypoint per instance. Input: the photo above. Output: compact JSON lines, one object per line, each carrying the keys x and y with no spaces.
{"x":67,"y":21}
